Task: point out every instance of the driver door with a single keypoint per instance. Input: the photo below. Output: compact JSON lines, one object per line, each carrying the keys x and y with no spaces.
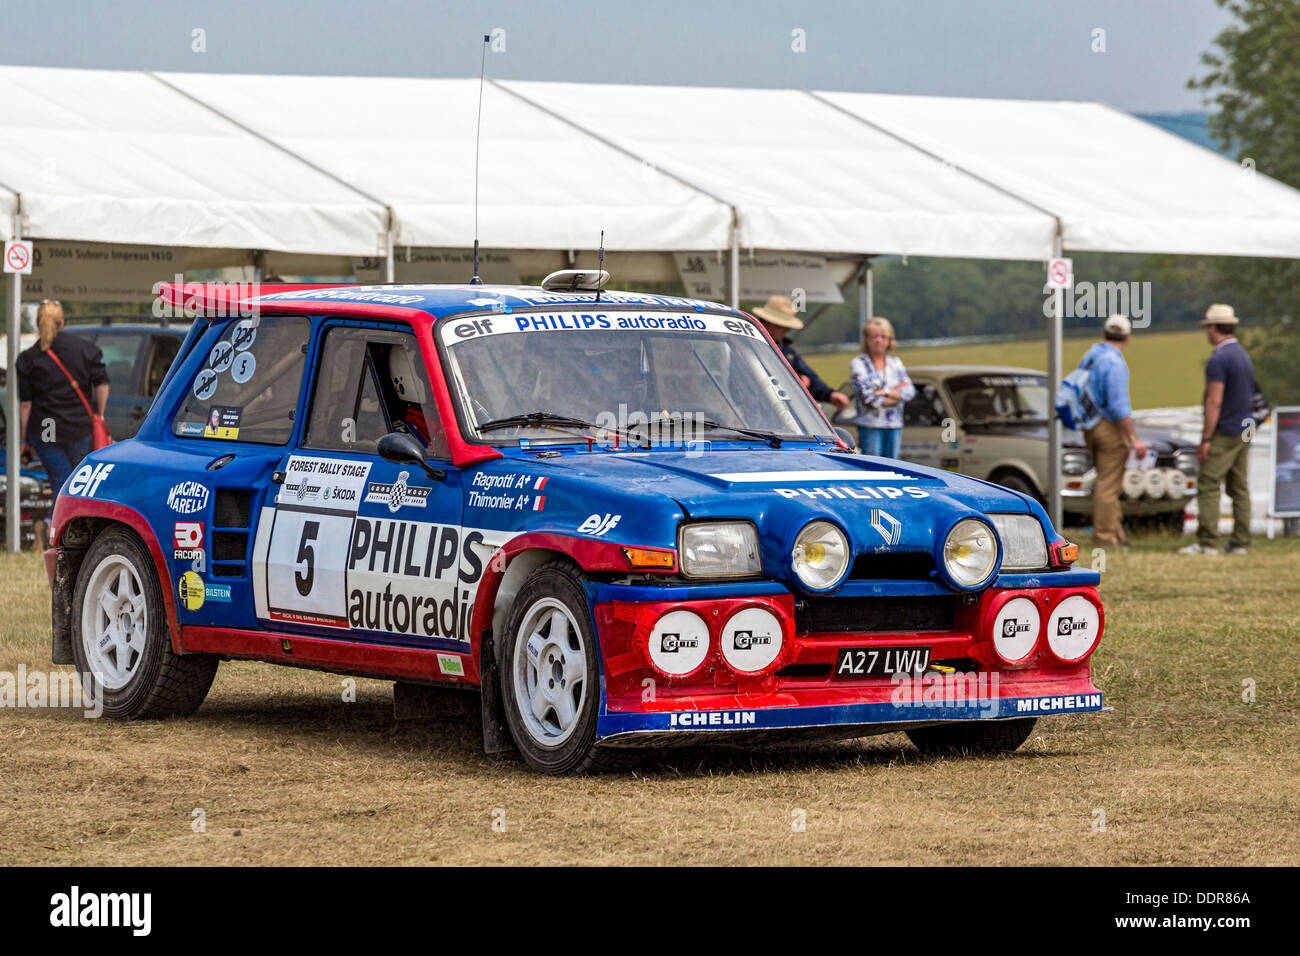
{"x":368,"y":549}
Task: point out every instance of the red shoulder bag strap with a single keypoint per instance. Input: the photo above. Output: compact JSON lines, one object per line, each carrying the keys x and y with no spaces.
{"x":71,"y":381}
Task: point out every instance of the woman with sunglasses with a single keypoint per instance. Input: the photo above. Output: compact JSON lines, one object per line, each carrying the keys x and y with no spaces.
{"x":54,"y":421}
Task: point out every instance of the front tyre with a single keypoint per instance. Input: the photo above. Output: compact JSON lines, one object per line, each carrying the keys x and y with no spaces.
{"x":994,"y":737}
{"x":551,"y":675}
{"x":120,"y":637}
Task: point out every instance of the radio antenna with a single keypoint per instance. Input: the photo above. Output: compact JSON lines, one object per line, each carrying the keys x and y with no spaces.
{"x":600,"y":262}
{"x":478,"y":125}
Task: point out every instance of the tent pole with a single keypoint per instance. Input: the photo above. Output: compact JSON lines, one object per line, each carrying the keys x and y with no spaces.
{"x":734,"y":290}
{"x":13,"y":441}
{"x":869,"y":296}
{"x":1053,"y":378}
{"x":390,"y":267}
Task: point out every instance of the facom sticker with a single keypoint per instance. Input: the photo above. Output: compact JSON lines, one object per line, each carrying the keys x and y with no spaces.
{"x":187,"y":540}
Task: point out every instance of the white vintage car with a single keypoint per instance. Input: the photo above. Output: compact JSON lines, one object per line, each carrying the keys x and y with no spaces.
{"x":990,"y":422}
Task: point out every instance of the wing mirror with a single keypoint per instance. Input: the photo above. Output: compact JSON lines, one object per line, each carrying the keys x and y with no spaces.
{"x":404,"y":450}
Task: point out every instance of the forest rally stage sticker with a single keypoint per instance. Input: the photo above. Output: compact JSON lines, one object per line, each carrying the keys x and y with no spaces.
{"x":329,"y":566}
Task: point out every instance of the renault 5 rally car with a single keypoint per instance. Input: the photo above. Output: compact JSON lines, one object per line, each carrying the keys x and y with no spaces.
{"x":617,"y":515}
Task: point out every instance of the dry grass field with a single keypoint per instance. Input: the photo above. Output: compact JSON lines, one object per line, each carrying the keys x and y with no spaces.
{"x":1183,"y":770}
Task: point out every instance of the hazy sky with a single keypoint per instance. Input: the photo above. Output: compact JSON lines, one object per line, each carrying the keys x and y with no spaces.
{"x":1034,"y":49}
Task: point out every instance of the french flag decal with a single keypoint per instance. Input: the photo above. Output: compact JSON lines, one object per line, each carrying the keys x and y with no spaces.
{"x":539,"y":502}
{"x":540,"y":484}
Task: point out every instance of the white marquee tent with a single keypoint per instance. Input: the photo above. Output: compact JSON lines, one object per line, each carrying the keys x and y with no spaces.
{"x":231,"y":168}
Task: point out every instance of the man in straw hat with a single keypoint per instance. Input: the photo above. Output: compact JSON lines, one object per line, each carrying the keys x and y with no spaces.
{"x":779,"y":318}
{"x":1225,"y":447}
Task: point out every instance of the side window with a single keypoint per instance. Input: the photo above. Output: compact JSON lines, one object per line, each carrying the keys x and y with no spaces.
{"x":925,"y":410}
{"x":162,"y":352}
{"x":120,"y":355}
{"x":247,"y":387}
{"x":371,"y":382}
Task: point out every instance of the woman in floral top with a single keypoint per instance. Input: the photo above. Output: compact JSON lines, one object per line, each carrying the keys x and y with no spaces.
{"x":882,"y":387}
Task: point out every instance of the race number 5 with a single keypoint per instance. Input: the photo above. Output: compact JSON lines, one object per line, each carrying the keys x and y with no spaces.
{"x":306,"y":576}
{"x":306,"y":554}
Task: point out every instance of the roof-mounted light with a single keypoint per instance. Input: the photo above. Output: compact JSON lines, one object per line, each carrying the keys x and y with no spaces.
{"x":576,"y":280}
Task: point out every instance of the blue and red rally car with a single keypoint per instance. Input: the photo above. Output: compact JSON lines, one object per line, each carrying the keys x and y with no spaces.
{"x":618,"y":514}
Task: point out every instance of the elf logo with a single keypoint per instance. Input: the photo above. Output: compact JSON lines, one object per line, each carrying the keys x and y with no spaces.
{"x":87,"y":479}
{"x":598,"y":525}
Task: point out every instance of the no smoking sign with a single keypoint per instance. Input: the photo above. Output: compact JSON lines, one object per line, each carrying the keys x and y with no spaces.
{"x":1060,"y":273}
{"x":18,"y":256}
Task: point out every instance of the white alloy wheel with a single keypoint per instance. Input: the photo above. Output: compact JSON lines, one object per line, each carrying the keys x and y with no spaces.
{"x":114,"y":622}
{"x":549,"y":672}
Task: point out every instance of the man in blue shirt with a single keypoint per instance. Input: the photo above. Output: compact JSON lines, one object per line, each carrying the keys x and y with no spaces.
{"x":1225,"y":435}
{"x":1110,"y":439}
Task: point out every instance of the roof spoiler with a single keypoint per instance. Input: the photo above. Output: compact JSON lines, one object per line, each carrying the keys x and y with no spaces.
{"x":210,"y":300}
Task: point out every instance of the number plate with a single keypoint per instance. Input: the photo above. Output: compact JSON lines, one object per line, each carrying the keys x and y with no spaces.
{"x":855,"y":662}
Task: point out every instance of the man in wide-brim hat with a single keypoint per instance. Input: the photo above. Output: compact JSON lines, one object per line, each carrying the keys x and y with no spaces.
{"x":1225,"y":435}
{"x":779,"y":318}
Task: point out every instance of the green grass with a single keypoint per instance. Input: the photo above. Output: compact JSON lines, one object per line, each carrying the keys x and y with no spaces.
{"x":1184,"y":770}
{"x":1165,"y":368}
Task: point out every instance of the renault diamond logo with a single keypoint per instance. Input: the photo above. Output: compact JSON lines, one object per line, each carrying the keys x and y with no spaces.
{"x":890,"y":528}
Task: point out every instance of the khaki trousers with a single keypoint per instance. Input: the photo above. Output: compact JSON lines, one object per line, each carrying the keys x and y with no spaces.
{"x":1108,"y":446}
{"x":1227,"y":463}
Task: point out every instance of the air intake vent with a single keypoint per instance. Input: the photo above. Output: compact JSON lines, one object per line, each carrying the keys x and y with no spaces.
{"x":233,"y":508}
{"x":867,"y":614}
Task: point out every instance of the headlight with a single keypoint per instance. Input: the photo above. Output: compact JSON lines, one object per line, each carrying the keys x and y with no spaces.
{"x":820,"y":556}
{"x":970,"y":553}
{"x":1075,"y":462}
{"x":719,"y":549}
{"x":1024,"y":547}
{"x":1185,"y":461}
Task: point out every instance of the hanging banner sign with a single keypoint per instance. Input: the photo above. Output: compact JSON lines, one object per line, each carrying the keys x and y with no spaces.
{"x":98,"y":271}
{"x":766,"y":274}
{"x":439,"y":265}
{"x":1284,"y":498}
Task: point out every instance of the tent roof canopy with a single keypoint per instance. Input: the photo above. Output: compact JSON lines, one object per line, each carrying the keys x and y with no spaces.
{"x":322,"y":165}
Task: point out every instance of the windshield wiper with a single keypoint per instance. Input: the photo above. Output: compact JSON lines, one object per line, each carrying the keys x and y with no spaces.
{"x":546,"y":418}
{"x":534,"y":418}
{"x":772,"y":438}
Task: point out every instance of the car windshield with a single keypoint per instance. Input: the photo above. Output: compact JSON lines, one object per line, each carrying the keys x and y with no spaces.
{"x":1000,"y":398}
{"x":657,"y":376}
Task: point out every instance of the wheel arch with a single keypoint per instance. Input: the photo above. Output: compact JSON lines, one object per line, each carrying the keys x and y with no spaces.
{"x":1020,"y":470}
{"x":79,"y":521}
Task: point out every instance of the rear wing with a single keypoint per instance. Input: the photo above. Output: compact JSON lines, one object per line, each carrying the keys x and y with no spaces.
{"x":208,"y":300}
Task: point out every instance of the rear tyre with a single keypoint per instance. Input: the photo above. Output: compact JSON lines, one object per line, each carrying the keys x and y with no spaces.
{"x":550,"y":673}
{"x":994,"y":737}
{"x":120,"y":637}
